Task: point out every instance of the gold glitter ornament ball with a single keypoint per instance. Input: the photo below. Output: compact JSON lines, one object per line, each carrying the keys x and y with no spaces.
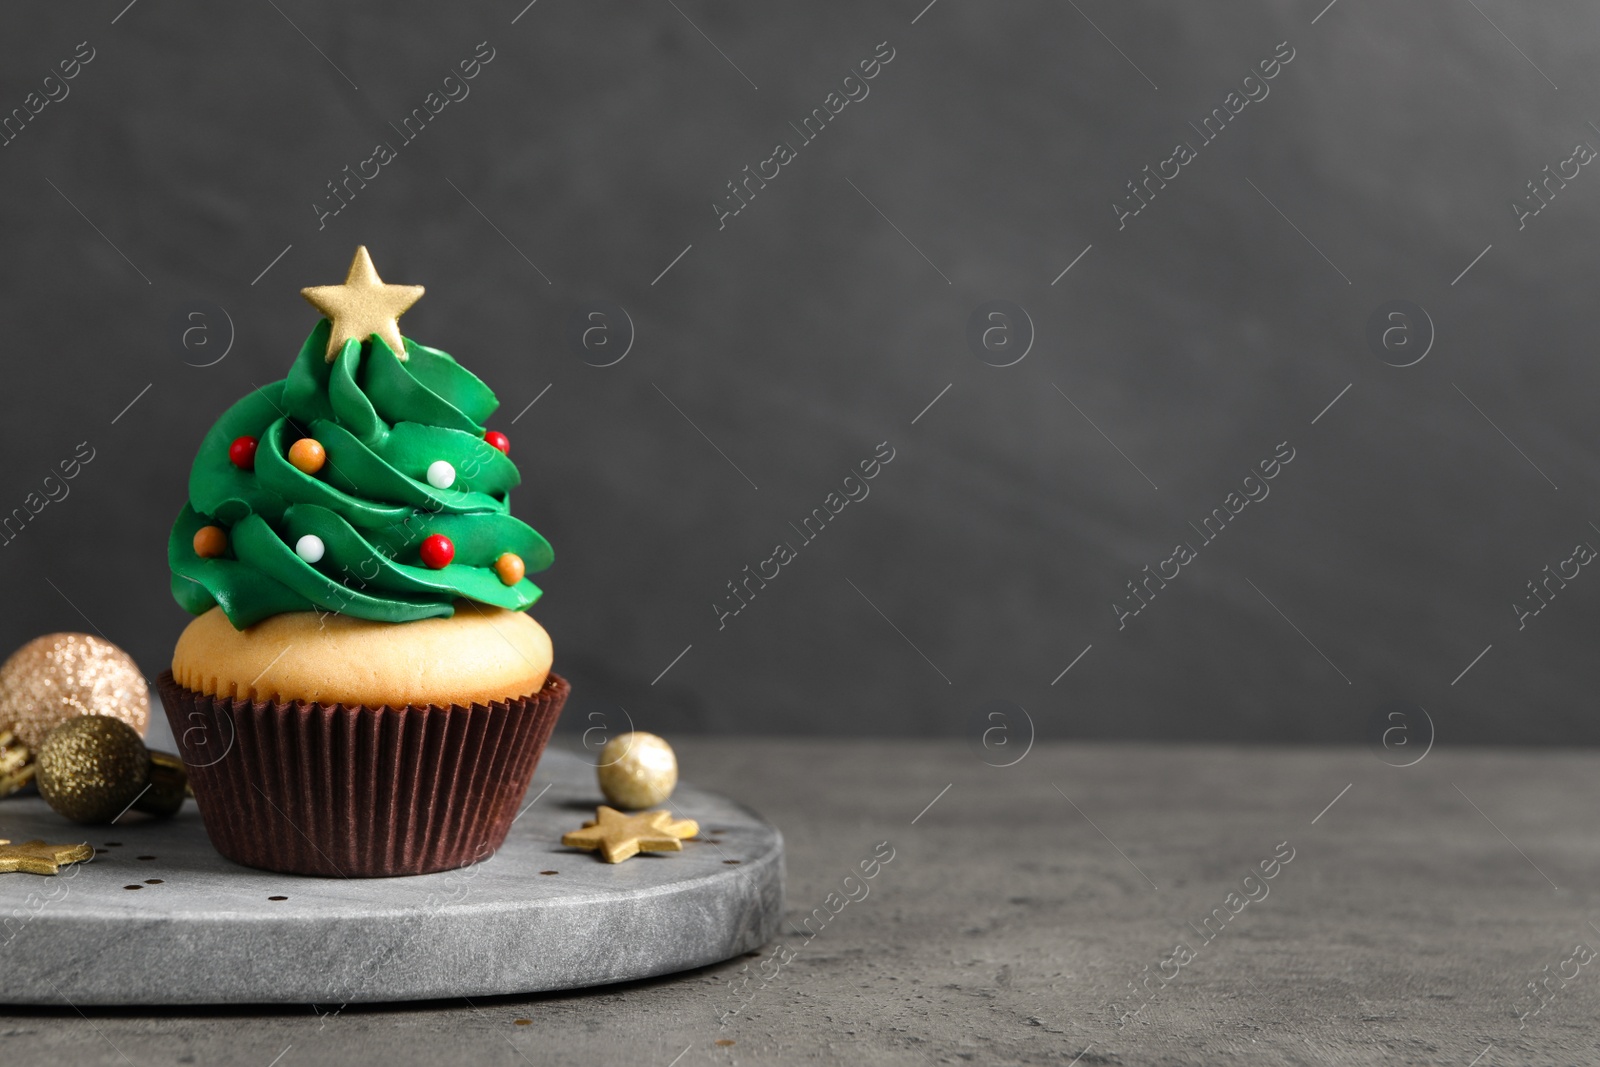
{"x":637,"y":770}
{"x":91,"y":768}
{"x":60,"y":676}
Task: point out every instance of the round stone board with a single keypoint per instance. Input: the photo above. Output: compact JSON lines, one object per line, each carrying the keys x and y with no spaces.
{"x":158,"y":917}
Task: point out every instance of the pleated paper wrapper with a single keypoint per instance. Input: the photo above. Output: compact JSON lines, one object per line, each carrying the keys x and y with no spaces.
{"x":353,"y":791}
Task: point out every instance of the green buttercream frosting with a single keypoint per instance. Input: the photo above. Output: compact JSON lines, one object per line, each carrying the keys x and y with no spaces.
{"x":382,"y":422}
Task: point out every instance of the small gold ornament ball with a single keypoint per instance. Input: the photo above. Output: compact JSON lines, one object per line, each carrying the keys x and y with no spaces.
{"x":637,"y":770}
{"x":60,"y":676}
{"x":91,"y":768}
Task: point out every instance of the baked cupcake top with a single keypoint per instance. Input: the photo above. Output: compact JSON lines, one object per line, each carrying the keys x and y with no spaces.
{"x":363,"y":484}
{"x":480,"y":656}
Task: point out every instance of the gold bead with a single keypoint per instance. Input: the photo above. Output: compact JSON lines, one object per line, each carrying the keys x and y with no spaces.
{"x":91,"y":768}
{"x":637,"y":770}
{"x":59,"y":676}
{"x":308,"y":455}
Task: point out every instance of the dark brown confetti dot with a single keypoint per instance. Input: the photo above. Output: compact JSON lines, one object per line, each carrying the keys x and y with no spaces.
{"x":152,"y":881}
{"x":147,"y":857}
{"x":113,"y":844}
{"x":523,"y":1022}
{"x":133,"y":887}
{"x":731,"y":863}
{"x":277,"y":898}
{"x":549,"y":872}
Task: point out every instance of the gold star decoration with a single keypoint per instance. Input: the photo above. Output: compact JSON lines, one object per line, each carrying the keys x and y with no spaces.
{"x":36,"y":857}
{"x":364,"y":305}
{"x":617,"y":836}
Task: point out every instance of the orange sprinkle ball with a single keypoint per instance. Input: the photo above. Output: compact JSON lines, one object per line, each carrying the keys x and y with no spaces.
{"x":210,"y":542}
{"x":308,"y":455}
{"x":510,"y":568}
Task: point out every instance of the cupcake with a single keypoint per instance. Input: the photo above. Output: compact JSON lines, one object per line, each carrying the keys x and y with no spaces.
{"x":362,"y":693}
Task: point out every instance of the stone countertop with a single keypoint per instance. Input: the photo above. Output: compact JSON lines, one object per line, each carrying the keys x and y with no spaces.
{"x":1407,"y":912}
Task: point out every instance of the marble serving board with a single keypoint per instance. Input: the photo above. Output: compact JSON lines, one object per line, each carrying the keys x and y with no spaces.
{"x":158,"y":917}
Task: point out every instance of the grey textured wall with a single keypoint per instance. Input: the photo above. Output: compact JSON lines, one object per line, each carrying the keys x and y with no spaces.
{"x":183,"y":168}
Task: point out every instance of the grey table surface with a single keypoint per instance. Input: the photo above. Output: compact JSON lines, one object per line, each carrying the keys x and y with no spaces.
{"x":1021,"y":902}
{"x":534,"y":915}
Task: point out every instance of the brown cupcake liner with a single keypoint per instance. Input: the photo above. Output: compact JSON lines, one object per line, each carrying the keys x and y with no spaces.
{"x":354,"y":791}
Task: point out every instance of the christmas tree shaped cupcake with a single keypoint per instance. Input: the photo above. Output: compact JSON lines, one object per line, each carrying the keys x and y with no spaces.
{"x":362,"y":692}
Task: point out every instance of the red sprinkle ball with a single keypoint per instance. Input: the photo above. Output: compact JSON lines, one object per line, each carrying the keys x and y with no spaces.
{"x":437,"y":551}
{"x":243,"y":453}
{"x":498,"y":440}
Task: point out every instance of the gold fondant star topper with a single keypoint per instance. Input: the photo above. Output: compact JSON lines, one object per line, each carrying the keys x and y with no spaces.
{"x":617,"y":836}
{"x":36,"y":857}
{"x":364,"y":305}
